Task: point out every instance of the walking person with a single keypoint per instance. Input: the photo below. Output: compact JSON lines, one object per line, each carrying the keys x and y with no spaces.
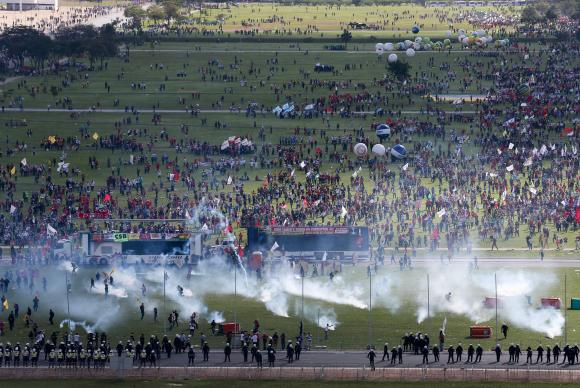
{"x":371,"y":356}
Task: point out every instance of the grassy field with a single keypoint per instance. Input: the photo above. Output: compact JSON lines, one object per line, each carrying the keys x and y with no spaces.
{"x":295,"y":20}
{"x":87,"y":88}
{"x":398,"y":298}
{"x":254,"y":384}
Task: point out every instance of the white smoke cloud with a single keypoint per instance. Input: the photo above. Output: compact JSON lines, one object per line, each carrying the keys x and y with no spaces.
{"x":455,"y":289}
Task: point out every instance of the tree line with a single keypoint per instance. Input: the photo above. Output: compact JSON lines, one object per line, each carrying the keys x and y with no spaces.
{"x":23,"y":46}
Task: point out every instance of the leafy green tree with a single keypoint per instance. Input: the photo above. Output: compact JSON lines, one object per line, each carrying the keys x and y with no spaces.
{"x":171,"y":10}
{"x":137,"y":14}
{"x":155,"y":13}
{"x":19,"y":43}
{"x":529,"y":15}
{"x":346,"y":36}
{"x":551,"y":14}
{"x":400,"y":69}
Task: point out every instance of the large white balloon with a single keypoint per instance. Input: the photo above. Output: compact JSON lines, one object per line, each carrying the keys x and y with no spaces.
{"x":379,"y":149}
{"x":410,"y":52}
{"x":379,"y":47}
{"x":417,"y":46}
{"x":392,"y":58}
{"x":360,"y":149}
{"x":448,"y":34}
{"x":388,"y":46}
{"x":408,"y":43}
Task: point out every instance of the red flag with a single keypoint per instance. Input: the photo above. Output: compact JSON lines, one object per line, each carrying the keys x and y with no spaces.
{"x":107,"y":198}
{"x":305,"y":202}
{"x":176,"y":176}
{"x":578,"y":214}
{"x":568,"y":131}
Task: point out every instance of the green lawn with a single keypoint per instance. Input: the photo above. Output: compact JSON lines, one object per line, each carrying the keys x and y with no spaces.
{"x":397,"y":299}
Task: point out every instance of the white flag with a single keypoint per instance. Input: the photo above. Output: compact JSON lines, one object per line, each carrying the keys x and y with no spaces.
{"x":553,"y":147}
{"x":204,"y":228}
{"x":528,"y":162}
{"x":187,"y":214}
{"x":441,"y":213}
{"x":292,"y":173}
{"x":574,"y":150}
{"x":517,"y":152}
{"x":23,"y":162}
{"x":510,"y":167}
{"x":12,"y":209}
{"x":343,"y":213}
{"x":543,"y":150}
{"x":498,"y":151}
{"x":274,"y":247}
{"x":511,"y":146}
{"x":324,"y":256}
{"x":533,"y":191}
{"x":405,"y":167}
{"x":50,"y":230}
{"x":492,"y":175}
{"x":229,"y":180}
{"x":131,"y":159}
{"x":302,"y":164}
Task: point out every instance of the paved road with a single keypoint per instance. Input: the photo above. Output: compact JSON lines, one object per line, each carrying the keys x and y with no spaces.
{"x":349,"y":359}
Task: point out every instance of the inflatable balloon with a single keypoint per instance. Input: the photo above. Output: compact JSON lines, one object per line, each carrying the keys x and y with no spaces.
{"x":448,"y":34}
{"x":408,"y":43}
{"x":379,"y":149}
{"x":523,"y":90}
{"x":379,"y":48}
{"x":388,"y":46}
{"x":399,"y":151}
{"x":415,"y":29}
{"x":417,"y":46}
{"x":418,"y":39}
{"x":392,"y":58}
{"x":410,"y":52}
{"x":383,"y":131}
{"x":401,"y":46}
{"x":360,"y":149}
{"x":447,"y":42}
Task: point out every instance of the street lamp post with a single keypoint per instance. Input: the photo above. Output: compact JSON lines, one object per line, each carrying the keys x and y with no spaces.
{"x":370,"y":304}
{"x":68,"y":289}
{"x":235,"y":295}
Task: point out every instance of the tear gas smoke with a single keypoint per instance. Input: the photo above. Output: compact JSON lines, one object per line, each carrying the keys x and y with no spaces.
{"x":318,"y":314}
{"x":455,"y":289}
